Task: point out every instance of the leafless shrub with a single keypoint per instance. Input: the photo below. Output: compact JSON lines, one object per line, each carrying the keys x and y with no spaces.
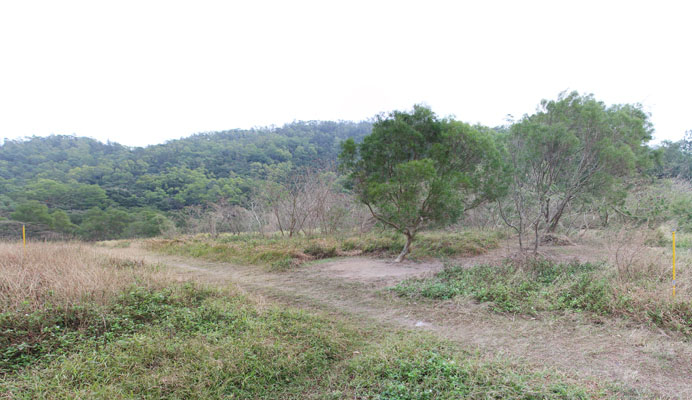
{"x":310,"y":201}
{"x":227,"y":217}
{"x":196,"y":219}
{"x":485,"y":216}
{"x":630,"y":253}
{"x":218,"y":217}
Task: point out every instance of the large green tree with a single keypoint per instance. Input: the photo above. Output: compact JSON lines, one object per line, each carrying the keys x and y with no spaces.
{"x":416,"y":170}
{"x":104,"y":224}
{"x":573,"y":148}
{"x":34,"y":212}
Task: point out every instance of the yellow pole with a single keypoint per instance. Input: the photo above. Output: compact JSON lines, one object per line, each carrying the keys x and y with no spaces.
{"x":24,"y":236}
{"x":673,"y":263}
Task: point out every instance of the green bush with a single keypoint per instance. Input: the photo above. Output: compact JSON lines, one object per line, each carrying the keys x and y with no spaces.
{"x":318,"y":251}
{"x":282,"y":264}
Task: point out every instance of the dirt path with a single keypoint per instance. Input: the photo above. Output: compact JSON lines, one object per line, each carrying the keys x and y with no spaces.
{"x":638,"y":358}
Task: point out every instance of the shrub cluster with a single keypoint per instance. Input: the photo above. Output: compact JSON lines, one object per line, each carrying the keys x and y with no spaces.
{"x":541,"y":285}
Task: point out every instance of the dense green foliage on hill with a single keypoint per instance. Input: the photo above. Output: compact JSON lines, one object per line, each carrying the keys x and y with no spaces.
{"x":674,"y":159}
{"x":88,"y":179}
{"x":218,"y":154}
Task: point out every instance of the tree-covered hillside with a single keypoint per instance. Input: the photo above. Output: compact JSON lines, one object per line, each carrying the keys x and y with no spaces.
{"x":40,"y":176}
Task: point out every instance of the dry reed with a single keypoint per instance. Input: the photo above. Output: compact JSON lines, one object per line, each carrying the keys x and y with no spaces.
{"x":637,"y":259}
{"x":64,"y":274}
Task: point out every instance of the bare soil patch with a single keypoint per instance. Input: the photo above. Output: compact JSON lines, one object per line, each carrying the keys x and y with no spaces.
{"x":368,"y":269}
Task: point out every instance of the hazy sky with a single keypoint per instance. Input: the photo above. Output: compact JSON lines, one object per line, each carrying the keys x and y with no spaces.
{"x":142,"y":72}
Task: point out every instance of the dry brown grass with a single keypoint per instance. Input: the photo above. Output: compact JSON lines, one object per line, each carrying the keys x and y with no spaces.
{"x":66,"y":274}
{"x":636,"y":261}
{"x":629,"y":251}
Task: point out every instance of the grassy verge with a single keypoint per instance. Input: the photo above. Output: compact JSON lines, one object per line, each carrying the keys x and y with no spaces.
{"x":187,"y":342}
{"x":281,"y":252}
{"x":212,"y":344}
{"x":180,"y":340}
{"x":420,"y":367}
{"x":540,"y":285}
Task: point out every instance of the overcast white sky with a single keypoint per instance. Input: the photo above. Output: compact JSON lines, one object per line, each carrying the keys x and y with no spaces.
{"x":142,"y":72}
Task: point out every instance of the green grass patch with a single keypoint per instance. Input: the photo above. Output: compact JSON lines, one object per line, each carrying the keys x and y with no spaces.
{"x":282,"y":252}
{"x":420,"y":367}
{"x":683,"y":240}
{"x":544,"y":286}
{"x":49,"y":333}
{"x":183,"y":341}
{"x":192,"y":342}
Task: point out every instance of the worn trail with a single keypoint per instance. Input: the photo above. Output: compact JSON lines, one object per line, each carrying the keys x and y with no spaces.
{"x":639,"y":358}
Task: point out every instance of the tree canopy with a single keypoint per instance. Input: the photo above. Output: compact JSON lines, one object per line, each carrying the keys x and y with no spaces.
{"x":416,"y":170}
{"x":573,"y":148}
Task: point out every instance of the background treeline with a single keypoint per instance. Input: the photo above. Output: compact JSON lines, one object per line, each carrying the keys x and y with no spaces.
{"x":285,"y":179}
{"x":79,"y":186}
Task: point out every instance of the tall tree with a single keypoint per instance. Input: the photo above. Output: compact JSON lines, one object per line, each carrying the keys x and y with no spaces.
{"x":416,"y":170}
{"x":571,"y":148}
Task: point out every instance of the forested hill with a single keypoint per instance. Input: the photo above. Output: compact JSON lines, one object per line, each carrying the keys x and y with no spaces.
{"x":74,"y":186}
{"x":76,"y":173}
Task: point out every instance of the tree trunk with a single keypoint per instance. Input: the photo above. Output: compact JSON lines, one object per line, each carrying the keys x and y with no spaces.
{"x":278,"y":221}
{"x":556,"y":218}
{"x":212,"y":227}
{"x":406,"y":249}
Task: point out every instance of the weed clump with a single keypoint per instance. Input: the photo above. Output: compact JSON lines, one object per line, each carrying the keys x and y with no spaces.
{"x":424,"y":368}
{"x":539,"y":285}
{"x":319,"y":251}
{"x":52,"y":331}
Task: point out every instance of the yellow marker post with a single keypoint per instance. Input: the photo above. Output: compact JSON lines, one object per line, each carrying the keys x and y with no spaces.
{"x":673,"y":263}
{"x":24,"y":236}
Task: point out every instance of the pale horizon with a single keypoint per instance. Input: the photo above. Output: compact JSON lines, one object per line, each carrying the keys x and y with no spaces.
{"x":140,"y":73}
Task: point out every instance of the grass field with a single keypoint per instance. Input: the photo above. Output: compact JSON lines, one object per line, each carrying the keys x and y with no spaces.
{"x":80,"y":325}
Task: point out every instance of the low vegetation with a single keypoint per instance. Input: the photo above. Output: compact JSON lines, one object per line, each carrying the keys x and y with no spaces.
{"x":64,"y":274}
{"x":420,"y":367}
{"x":55,"y":296}
{"x":150,"y":337}
{"x":539,"y":285}
{"x":281,"y":252}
